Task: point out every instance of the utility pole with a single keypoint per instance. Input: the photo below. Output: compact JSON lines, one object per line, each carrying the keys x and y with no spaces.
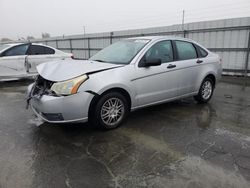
{"x":247,"y":55}
{"x":84,"y":30}
{"x":84,"y":46}
{"x":183,"y":17}
{"x":183,"y":20}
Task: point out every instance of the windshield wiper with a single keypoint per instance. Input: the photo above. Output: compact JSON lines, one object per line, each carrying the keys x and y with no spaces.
{"x":98,"y":60}
{"x":102,"y":61}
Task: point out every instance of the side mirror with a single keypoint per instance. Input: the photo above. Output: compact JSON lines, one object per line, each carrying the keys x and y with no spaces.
{"x":152,"y":62}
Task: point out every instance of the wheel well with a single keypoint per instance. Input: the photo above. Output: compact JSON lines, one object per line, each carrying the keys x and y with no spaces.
{"x":212,"y":77}
{"x":120,"y":90}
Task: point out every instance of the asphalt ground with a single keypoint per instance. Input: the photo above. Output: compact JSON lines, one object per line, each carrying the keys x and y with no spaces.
{"x":177,"y":144}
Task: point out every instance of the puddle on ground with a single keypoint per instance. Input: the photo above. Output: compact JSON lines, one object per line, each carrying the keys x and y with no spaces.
{"x":150,"y":142}
{"x":195,"y":172}
{"x":231,"y":134}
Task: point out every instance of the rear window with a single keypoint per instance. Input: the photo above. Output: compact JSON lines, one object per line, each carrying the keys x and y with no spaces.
{"x":40,"y":50}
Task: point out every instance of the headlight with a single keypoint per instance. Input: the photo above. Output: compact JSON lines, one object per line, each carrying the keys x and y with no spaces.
{"x":70,"y":86}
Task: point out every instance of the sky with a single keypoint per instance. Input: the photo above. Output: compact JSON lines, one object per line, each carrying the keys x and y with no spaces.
{"x":22,"y":18}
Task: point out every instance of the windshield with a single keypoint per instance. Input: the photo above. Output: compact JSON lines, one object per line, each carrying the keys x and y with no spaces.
{"x":121,"y":52}
{"x":3,"y":46}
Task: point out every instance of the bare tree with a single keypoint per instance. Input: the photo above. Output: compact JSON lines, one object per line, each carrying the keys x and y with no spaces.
{"x":30,"y":37}
{"x":5,"y":40}
{"x":45,"y":35}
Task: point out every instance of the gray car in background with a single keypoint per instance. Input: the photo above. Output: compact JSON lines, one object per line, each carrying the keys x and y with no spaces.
{"x":128,"y":75}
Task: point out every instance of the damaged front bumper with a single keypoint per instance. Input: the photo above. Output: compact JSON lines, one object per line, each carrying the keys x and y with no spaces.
{"x":60,"y":109}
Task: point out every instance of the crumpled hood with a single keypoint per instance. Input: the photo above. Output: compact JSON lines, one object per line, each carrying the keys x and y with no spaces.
{"x":67,"y":69}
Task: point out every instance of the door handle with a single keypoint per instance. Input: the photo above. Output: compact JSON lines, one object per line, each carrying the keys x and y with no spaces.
{"x":27,"y":65}
{"x":199,"y":61}
{"x":170,"y":66}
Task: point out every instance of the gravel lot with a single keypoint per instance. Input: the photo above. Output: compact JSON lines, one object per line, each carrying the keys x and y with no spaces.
{"x":178,"y":144}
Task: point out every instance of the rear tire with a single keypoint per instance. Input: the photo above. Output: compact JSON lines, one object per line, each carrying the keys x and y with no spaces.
{"x":206,"y":91}
{"x":109,"y":111}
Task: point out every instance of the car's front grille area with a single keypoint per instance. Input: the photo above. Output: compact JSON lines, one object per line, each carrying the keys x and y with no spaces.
{"x":42,"y":87}
{"x":53,"y":116}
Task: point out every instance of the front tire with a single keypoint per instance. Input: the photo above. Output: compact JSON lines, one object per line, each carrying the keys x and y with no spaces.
{"x":110,"y":111}
{"x":206,"y":91}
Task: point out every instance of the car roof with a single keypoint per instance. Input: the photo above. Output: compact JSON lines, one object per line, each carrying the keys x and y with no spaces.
{"x":169,"y":37}
{"x":13,"y":44}
{"x":20,"y":43}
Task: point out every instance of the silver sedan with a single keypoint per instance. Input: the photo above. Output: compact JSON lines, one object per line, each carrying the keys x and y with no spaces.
{"x":125,"y":76}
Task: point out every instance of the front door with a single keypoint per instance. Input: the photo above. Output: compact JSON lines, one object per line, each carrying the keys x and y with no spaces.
{"x":12,"y":62}
{"x":156,"y":83}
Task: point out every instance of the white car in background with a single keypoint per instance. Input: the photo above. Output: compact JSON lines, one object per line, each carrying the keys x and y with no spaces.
{"x":19,"y":60}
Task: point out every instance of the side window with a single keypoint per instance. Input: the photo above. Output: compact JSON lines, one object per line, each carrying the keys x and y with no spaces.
{"x":201,"y":51}
{"x":40,"y":50}
{"x":16,"y":50}
{"x":161,"y":50}
{"x":185,"y":50}
{"x":49,"y":50}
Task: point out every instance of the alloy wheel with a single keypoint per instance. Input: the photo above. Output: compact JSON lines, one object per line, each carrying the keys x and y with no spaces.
{"x":112,"y":111}
{"x":207,"y":89}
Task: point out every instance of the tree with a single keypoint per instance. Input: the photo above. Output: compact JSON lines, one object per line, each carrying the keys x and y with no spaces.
{"x":5,"y":40}
{"x":45,"y":35}
{"x":30,"y":37}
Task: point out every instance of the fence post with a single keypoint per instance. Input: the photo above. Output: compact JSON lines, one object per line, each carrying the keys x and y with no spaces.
{"x":56,"y":44}
{"x":184,"y":33}
{"x":88,"y":48}
{"x":111,"y":37}
{"x":247,"y":55}
{"x":70,"y":45}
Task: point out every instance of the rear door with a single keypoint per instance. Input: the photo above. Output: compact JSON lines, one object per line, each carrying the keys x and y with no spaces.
{"x":12,"y":61}
{"x":189,"y":66}
{"x":38,"y":54}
